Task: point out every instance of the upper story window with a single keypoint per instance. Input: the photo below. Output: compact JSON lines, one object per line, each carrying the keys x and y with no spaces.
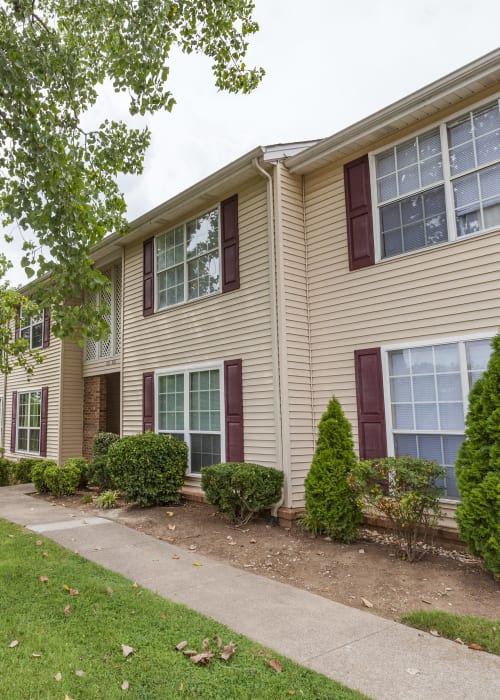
{"x":441,"y":185}
{"x":31,"y":329}
{"x":188,"y":261}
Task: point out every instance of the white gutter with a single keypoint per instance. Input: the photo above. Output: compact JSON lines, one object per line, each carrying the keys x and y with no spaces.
{"x":275,"y":348}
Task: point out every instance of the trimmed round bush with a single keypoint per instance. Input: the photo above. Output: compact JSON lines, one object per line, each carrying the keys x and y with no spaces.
{"x":102,"y":442}
{"x":62,"y":480}
{"x":83,"y":466}
{"x":5,"y":467}
{"x":21,"y":470}
{"x":97,"y":471}
{"x":332,"y":506}
{"x":38,"y":474}
{"x":240,"y":489}
{"x":148,"y":468}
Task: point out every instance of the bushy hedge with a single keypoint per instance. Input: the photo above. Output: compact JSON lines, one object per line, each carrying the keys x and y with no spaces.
{"x":83,"y":466}
{"x":240,"y":490}
{"x":5,"y":467}
{"x":38,"y":474}
{"x":478,"y":467}
{"x":332,"y":506}
{"x":21,"y":470}
{"x":62,"y":480}
{"x":406,"y":491}
{"x":148,"y":468}
{"x":97,"y":471}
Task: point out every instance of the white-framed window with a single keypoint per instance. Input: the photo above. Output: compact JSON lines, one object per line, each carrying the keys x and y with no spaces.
{"x":31,"y":329}
{"x":28,"y":421}
{"x":440,"y":185}
{"x":427,"y":386}
{"x":189,"y":406}
{"x":1,"y":421}
{"x":188,"y":260}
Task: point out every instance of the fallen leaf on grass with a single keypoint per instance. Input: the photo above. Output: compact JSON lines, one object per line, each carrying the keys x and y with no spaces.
{"x":367,"y":603}
{"x":218,"y":641}
{"x":13,"y":644}
{"x":127,"y":650}
{"x":434,"y":633}
{"x":275,"y":665}
{"x":476,"y":647}
{"x":74,"y":591}
{"x":205,"y":643}
{"x":124,"y":685}
{"x":39,"y":542}
{"x":43,"y":579}
{"x":163,"y":616}
{"x":135,"y":585}
{"x":36,"y":656}
{"x":45,"y":554}
{"x":459,"y":641}
{"x":80,"y":673}
{"x":67,"y":610}
{"x":109,"y":590}
{"x":228,"y":651}
{"x":189,"y":652}
{"x":66,"y":697}
{"x":181,"y":646}
{"x":58,"y":676}
{"x":204,"y":658}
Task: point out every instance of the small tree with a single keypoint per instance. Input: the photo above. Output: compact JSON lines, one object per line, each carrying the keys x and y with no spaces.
{"x":332,"y":506}
{"x":478,"y":467}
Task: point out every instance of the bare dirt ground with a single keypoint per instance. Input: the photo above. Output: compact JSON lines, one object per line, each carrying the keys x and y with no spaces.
{"x":368,"y":569}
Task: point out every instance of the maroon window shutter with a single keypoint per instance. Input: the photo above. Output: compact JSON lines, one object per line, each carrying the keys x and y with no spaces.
{"x":43,"y":421}
{"x":13,"y":427}
{"x":148,"y":401}
{"x":230,"y":245}
{"x":233,"y":401}
{"x":359,"y":213}
{"x":46,"y":328}
{"x":148,"y":298}
{"x":17,"y":323}
{"x":371,"y":409}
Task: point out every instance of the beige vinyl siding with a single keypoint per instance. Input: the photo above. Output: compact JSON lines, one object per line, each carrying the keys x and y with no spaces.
{"x":447,"y":290}
{"x":106,"y":365}
{"x":46,"y":374}
{"x":71,"y":437}
{"x":220,"y":327}
{"x":295,"y":365}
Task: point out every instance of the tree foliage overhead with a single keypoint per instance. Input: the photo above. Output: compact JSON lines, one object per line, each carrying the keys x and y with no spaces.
{"x":57,"y":177}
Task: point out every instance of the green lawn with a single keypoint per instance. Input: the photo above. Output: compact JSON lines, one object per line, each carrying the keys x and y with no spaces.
{"x":108,"y":612}
{"x":471,"y":630}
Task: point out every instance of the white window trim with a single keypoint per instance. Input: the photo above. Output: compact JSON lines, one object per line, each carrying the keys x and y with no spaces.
{"x":408,"y":345}
{"x":157,"y":307}
{"x":19,"y":393}
{"x":186,"y":369}
{"x":447,"y":182}
{"x":23,"y":325}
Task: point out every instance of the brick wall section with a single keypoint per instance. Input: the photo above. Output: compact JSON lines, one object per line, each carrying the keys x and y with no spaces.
{"x":94,"y":411}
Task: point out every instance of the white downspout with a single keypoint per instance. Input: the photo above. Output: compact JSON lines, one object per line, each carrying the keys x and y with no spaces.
{"x":274,"y":326}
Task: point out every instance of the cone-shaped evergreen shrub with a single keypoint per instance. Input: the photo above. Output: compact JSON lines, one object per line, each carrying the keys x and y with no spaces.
{"x":332,"y":507}
{"x":478,"y":467}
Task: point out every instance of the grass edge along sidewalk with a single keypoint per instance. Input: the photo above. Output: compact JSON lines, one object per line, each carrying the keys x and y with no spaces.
{"x":64,"y":620}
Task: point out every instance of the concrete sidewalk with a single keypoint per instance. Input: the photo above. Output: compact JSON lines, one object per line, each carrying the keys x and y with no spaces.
{"x":383,"y":659}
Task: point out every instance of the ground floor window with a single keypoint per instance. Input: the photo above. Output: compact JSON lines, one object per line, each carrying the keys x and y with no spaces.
{"x":29,"y":421}
{"x":428,"y":391}
{"x":189,"y":408}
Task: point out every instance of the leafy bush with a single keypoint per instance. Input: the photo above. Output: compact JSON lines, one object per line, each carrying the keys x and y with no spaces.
{"x":102,"y":442}
{"x":240,"y":490}
{"x":97,"y":472}
{"x":107,"y":499}
{"x":21,"y":470}
{"x":478,"y":467}
{"x":148,"y":468}
{"x":405,"y":490}
{"x":332,"y":506}
{"x":5,"y":471}
{"x":83,"y":466}
{"x":62,"y":480}
{"x":38,"y":474}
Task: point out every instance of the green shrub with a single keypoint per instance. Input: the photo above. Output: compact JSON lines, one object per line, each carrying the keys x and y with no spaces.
{"x":240,"y":490}
{"x":97,"y":472}
{"x":5,"y":471}
{"x":86,"y":498}
{"x":107,"y":499}
{"x":404,"y":490}
{"x":21,"y":470}
{"x":102,"y":442}
{"x":38,"y":474}
{"x":148,"y":468}
{"x":478,"y":467}
{"x":62,"y":480}
{"x":332,"y":506}
{"x":83,"y":466}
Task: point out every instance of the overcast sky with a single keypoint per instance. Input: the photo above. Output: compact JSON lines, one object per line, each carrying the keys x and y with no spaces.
{"x":328,"y":64}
